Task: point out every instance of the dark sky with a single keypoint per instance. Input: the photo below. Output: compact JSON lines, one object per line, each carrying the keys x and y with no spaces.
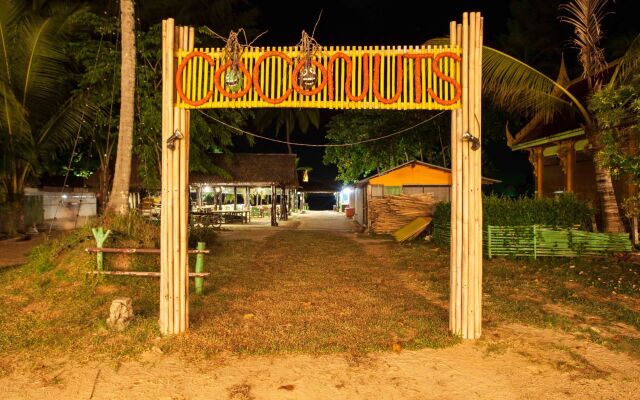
{"x":391,"y":22}
{"x":358,"y":22}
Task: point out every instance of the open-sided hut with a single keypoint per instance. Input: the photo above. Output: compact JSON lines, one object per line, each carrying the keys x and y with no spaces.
{"x":259,"y":179}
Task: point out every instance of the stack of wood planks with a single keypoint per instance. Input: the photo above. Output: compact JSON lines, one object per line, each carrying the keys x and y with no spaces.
{"x":390,"y":213}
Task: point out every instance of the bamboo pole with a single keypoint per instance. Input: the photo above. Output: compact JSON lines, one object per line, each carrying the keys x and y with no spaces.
{"x":174,"y":218}
{"x":454,"y":202}
{"x":458,"y":242}
{"x":471,"y":105}
{"x":478,"y":177}
{"x":186,"y":200}
{"x":465,"y":174}
{"x":168,"y":44}
{"x":196,"y":275}
{"x":135,"y":250}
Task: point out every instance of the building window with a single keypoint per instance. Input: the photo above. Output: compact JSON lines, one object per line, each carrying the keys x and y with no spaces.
{"x":392,"y":190}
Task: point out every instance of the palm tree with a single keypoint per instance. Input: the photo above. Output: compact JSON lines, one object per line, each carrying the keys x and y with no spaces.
{"x":289,"y":119}
{"x":518,"y":87}
{"x":119,"y":199}
{"x":39,"y":115}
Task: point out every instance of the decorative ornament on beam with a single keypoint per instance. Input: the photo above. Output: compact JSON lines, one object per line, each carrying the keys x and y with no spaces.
{"x":534,"y":157}
{"x":563,"y":154}
{"x":308,"y":49}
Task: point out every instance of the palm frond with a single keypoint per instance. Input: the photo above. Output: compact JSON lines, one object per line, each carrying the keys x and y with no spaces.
{"x":586,"y":16}
{"x":62,"y":128}
{"x":10,"y":13}
{"x":629,"y":63}
{"x":13,"y":117}
{"x":39,"y":61}
{"x":515,"y":86}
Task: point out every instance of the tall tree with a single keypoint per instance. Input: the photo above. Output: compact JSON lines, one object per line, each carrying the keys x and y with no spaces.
{"x":426,"y":141}
{"x":119,"y":199}
{"x":518,"y":87}
{"x":38,"y":112}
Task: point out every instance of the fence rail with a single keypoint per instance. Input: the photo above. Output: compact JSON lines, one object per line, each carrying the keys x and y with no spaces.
{"x":538,"y":241}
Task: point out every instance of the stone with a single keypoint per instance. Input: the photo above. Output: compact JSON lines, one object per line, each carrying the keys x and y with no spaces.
{"x":120,"y":314}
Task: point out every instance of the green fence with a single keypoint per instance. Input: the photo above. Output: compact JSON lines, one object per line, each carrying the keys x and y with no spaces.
{"x":536,"y":241}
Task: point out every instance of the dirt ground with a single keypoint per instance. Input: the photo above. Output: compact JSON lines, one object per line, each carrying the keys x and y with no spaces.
{"x":527,"y":368}
{"x":15,"y":251}
{"x":511,"y":361}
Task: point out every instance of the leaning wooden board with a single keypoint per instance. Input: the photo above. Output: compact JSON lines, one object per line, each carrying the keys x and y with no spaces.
{"x":412,"y":229}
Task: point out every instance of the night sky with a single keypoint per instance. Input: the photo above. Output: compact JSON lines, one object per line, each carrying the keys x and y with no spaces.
{"x":359,"y":22}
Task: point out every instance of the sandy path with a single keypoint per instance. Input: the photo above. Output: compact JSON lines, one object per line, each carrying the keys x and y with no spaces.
{"x":464,"y":371}
{"x":15,"y":251}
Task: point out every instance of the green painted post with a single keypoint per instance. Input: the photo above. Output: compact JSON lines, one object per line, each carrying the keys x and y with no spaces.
{"x":489,"y":241}
{"x":101,"y":236}
{"x":200,"y":267}
{"x":535,"y":243}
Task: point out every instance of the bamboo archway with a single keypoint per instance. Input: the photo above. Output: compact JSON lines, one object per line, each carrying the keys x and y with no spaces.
{"x":370,"y":77}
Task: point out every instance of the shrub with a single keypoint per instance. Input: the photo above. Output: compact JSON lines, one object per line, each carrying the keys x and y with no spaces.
{"x":564,"y":211}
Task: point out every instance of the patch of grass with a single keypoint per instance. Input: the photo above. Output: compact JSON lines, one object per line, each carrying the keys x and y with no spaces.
{"x":311,"y":292}
{"x":51,"y":306}
{"x":292,"y":292}
{"x":518,"y":290}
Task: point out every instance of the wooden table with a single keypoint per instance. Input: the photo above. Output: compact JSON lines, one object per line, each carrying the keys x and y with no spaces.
{"x":225,"y":216}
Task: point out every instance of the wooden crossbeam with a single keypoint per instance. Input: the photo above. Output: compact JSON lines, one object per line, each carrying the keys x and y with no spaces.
{"x":145,"y":273}
{"x":135,"y":250}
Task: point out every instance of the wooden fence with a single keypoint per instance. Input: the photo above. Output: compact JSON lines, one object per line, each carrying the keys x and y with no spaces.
{"x":536,"y":241}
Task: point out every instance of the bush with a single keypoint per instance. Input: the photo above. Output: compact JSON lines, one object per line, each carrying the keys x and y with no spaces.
{"x":563,"y":211}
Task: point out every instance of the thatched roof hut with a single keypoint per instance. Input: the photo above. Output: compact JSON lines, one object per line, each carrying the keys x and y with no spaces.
{"x":247,"y":169}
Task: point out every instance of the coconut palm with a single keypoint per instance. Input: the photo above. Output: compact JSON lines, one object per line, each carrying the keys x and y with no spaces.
{"x":119,"y":199}
{"x":518,"y":87}
{"x":38,"y":113}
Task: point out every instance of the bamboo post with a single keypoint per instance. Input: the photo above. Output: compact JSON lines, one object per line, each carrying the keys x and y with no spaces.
{"x":199,"y":282}
{"x":489,"y":248}
{"x":535,"y":242}
{"x":465,"y":175}
{"x":175,"y":190}
{"x":166,"y":244}
{"x":478,"y":176}
{"x":459,"y":205}
{"x":101,"y":236}
{"x":453,"y":270}
{"x":465,"y":318}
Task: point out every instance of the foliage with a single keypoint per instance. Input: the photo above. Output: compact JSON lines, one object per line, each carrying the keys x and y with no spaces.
{"x":287,"y":119}
{"x":562,"y":211}
{"x":428,"y":142}
{"x":96,"y":54}
{"x":617,"y":110}
{"x":38,"y":112}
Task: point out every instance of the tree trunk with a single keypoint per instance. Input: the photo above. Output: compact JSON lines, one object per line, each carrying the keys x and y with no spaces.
{"x":104,"y":176}
{"x":119,"y":200}
{"x":289,"y":142}
{"x":611,"y":220}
